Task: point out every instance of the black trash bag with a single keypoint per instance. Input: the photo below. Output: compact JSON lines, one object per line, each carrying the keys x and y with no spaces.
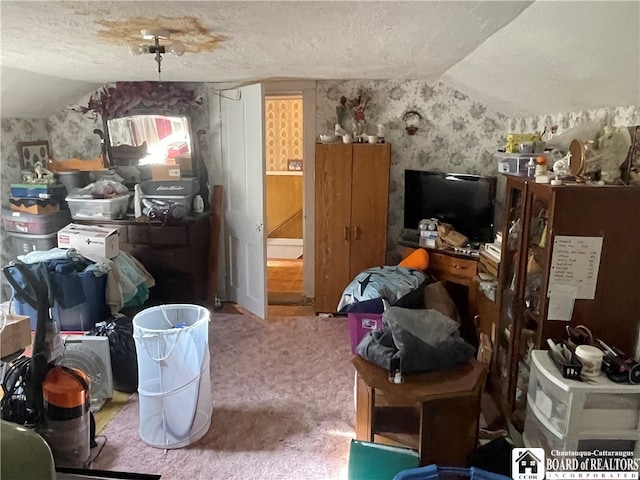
{"x":124,"y":360}
{"x":494,"y":456}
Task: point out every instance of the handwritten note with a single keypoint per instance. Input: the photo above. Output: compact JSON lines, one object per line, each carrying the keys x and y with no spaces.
{"x":561,"y":302}
{"x":575,"y":262}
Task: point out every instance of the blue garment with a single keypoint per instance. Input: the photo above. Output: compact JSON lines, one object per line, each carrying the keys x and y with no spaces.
{"x":66,"y":280}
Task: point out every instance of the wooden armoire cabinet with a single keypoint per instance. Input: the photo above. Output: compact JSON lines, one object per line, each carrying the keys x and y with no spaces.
{"x":351,"y":208}
{"x":568,"y":246}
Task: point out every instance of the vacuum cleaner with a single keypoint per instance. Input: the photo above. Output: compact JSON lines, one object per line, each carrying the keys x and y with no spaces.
{"x":52,"y":400}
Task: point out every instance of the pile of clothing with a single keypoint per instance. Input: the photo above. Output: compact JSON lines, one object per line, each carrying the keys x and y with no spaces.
{"x":73,"y":279}
{"x":421,"y":339}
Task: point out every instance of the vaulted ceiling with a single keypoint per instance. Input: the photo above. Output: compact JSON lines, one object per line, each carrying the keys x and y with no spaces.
{"x":520,"y":58}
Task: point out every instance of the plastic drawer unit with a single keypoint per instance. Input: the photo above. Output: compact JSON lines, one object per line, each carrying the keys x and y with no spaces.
{"x":565,"y":414}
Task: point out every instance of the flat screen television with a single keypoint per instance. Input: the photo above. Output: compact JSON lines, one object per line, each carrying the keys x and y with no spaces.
{"x":466,"y":202}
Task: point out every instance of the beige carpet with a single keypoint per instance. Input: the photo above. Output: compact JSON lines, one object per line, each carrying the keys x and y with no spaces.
{"x":283,"y":407}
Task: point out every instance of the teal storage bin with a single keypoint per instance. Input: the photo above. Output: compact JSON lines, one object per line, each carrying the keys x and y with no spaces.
{"x":433,"y":472}
{"x":375,"y":461}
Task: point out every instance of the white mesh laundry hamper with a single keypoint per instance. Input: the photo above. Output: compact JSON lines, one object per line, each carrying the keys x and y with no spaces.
{"x":172,"y":343}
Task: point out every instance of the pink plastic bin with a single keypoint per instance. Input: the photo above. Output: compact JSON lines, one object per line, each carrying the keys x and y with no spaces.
{"x":360,"y":324}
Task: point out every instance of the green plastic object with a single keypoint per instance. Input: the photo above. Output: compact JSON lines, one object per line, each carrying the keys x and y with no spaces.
{"x":25,"y":454}
{"x":375,"y":461}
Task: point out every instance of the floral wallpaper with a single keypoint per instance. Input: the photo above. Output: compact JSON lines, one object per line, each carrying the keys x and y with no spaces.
{"x":616,"y":116}
{"x":71,"y":135}
{"x":456,"y":133}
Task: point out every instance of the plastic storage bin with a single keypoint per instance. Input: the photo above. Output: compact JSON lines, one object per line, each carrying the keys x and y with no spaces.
{"x":23,"y":222}
{"x":80,"y":317}
{"x":360,"y":324}
{"x":433,"y":472}
{"x":22,"y":243}
{"x":99,"y":209}
{"x":172,"y":344}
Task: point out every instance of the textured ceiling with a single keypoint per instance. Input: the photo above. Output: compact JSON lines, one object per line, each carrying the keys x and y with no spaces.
{"x":518,"y":57}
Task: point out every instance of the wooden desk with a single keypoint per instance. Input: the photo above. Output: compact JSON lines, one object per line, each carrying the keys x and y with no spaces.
{"x":446,"y":265}
{"x":457,"y":271}
{"x":436,"y":413}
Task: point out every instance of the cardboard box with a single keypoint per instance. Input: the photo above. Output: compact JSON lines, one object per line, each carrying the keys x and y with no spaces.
{"x":489,"y":263}
{"x":165,"y":172}
{"x":16,"y":334}
{"x":36,"y":206}
{"x":185,"y":164}
{"x":90,"y":240}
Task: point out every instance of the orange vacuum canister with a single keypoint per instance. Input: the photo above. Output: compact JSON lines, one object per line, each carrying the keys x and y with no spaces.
{"x":67,"y":396}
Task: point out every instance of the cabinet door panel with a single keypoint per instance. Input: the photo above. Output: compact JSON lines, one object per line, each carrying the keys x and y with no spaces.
{"x":333,"y":206}
{"x":369,"y":206}
{"x":510,"y":305}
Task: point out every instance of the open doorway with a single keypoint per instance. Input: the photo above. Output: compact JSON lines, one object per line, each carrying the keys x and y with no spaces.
{"x":284,"y":198}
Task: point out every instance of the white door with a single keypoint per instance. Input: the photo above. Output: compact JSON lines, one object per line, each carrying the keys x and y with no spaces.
{"x":243,"y":167}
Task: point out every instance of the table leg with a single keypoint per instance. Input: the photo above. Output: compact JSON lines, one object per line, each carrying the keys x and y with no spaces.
{"x":365,"y":396}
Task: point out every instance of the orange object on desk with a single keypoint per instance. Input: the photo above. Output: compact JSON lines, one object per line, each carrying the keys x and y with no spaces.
{"x":418,"y":259}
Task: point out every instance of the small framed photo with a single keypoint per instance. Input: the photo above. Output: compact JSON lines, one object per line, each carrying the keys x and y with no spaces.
{"x":294,"y":165}
{"x":32,"y":152}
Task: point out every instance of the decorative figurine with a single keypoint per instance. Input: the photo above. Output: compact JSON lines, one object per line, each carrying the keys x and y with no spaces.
{"x":613,"y":147}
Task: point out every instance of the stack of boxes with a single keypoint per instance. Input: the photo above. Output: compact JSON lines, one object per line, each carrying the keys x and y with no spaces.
{"x":489,"y":258}
{"x":34,"y":217}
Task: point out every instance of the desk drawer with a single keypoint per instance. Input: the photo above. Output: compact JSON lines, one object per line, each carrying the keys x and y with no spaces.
{"x":447,"y":267}
{"x":138,"y":234}
{"x":168,"y":235}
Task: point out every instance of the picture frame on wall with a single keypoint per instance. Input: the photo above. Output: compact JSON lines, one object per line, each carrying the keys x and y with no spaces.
{"x":32,"y":152}
{"x":294,"y":165}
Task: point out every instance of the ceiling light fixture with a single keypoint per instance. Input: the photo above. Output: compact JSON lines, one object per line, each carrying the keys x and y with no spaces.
{"x":176,"y":48}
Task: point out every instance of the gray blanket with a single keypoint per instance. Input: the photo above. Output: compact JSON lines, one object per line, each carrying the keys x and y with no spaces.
{"x":423,"y":340}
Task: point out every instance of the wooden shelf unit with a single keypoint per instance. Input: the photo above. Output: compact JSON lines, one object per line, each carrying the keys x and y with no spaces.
{"x":535,"y":214}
